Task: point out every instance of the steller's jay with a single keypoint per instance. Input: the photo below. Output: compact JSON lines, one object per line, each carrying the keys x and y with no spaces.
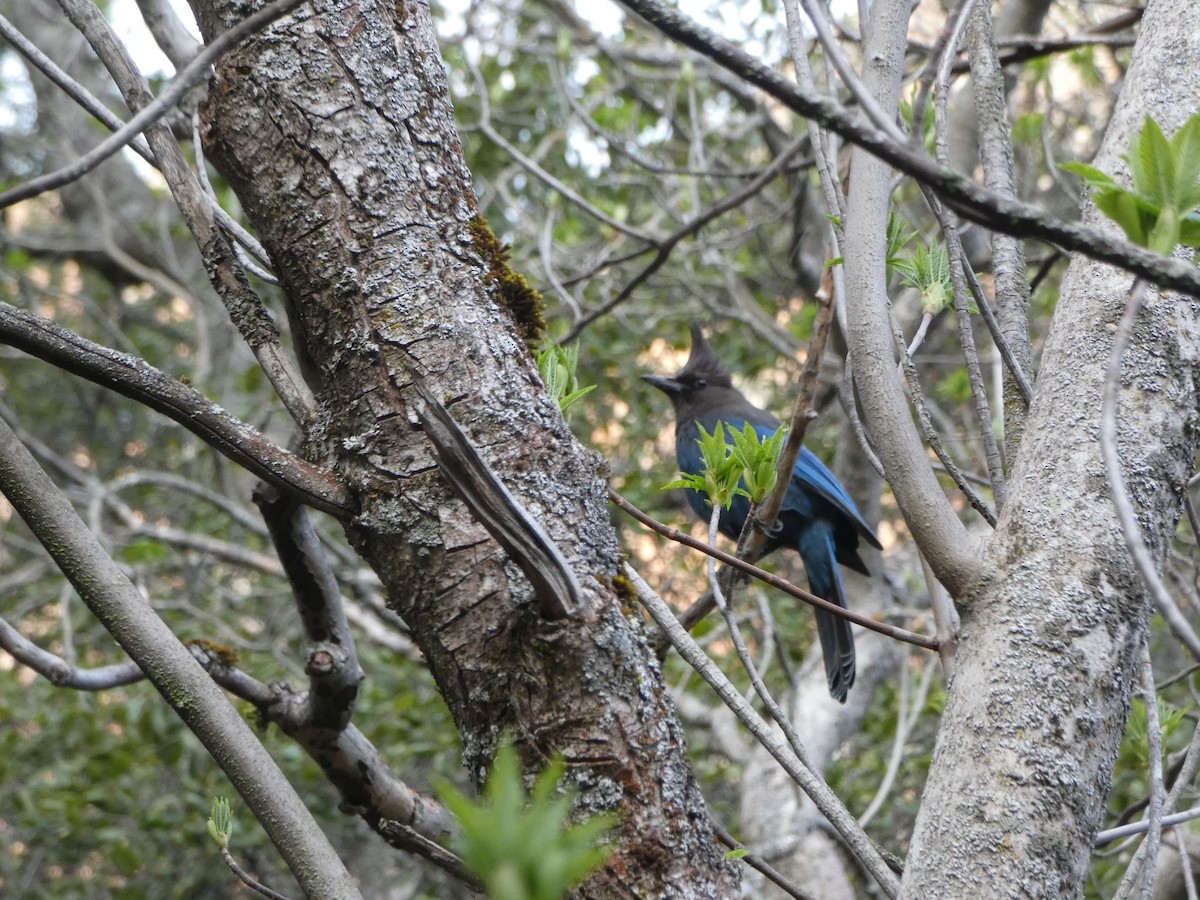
{"x":817,"y":519}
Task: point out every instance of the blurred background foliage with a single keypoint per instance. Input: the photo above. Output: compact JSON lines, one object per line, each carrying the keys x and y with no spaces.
{"x":596,"y":149}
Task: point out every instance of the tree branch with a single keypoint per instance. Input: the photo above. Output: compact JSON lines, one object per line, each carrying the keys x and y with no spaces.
{"x":134,"y":378}
{"x":826,"y":801}
{"x":950,"y":549}
{"x":114,"y":600}
{"x":957,"y":190}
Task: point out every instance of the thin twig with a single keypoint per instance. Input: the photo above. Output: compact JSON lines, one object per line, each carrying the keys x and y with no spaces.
{"x":956,"y":189}
{"x":823,"y":798}
{"x":907,"y":712}
{"x":1130,"y":529}
{"x":817,"y":16}
{"x":1185,"y":865}
{"x":743,"y":654}
{"x":249,"y":880}
{"x":1115,"y":834}
{"x":61,"y":673}
{"x":927,"y":430}
{"x":135,"y":378}
{"x":664,"y":246}
{"x":756,"y":862}
{"x":1145,"y":861}
{"x":195,"y":72}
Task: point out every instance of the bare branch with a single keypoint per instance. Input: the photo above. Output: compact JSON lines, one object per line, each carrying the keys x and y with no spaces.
{"x":245,"y":308}
{"x":170,"y":667}
{"x":1130,"y":529}
{"x":61,"y":673}
{"x":332,"y":667}
{"x":169,"y":32}
{"x":1011,"y":333}
{"x":196,"y":71}
{"x":826,"y":801}
{"x":133,"y":377}
{"x":935,"y":526}
{"x":1145,"y":861}
{"x":664,"y":246}
{"x":967,"y":198}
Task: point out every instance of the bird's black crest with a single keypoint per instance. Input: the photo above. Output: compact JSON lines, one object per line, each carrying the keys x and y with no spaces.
{"x":704,"y":363}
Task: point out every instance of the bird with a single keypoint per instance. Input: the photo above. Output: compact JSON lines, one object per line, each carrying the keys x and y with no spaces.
{"x":818,"y":519}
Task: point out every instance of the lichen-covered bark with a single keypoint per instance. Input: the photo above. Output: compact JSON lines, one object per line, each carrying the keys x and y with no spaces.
{"x":336,"y":131}
{"x":1050,"y":636}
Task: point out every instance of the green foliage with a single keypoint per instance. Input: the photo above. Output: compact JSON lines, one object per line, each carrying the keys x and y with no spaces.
{"x":1027,"y":127}
{"x":928,"y":125}
{"x":758,"y":459}
{"x":743,"y":466}
{"x":899,"y":234}
{"x":928,"y":270}
{"x":1131,"y":785}
{"x":861,"y":767}
{"x":520,"y":846}
{"x":220,"y":822}
{"x":557,"y":366}
{"x":144,"y":551}
{"x":1159,"y":210}
{"x":722,"y":472}
{"x":1169,"y":720}
{"x":956,"y":386}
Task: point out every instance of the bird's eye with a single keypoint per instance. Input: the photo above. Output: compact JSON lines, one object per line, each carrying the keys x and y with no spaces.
{"x":701,"y":383}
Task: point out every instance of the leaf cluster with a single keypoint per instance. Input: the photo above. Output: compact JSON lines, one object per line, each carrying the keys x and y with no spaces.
{"x":520,"y":845}
{"x":557,"y":366}
{"x":741,"y":466}
{"x":927,"y":269}
{"x":1159,"y":210}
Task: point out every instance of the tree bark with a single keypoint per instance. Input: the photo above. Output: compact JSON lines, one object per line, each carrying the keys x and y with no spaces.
{"x":1050,"y":634}
{"x":337,"y":133}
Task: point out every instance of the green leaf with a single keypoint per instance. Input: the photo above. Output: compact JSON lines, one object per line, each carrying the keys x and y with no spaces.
{"x":1120,"y":206}
{"x":557,"y":366}
{"x":1151,"y":165}
{"x":1090,"y":174}
{"x":144,"y":551}
{"x":220,"y":822}
{"x":757,"y":459}
{"x":927,"y":269}
{"x":1185,"y":147}
{"x":899,"y":235}
{"x":520,"y":845}
{"x":1189,"y":231}
{"x":1164,"y":237}
{"x":1158,"y":211}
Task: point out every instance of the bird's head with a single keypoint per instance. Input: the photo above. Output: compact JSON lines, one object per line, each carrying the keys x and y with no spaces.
{"x":704,"y":373}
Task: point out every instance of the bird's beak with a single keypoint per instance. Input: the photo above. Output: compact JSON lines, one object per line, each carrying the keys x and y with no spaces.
{"x":664,"y":384}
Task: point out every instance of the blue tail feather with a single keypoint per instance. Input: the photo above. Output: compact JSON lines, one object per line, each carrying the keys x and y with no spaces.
{"x":818,"y":551}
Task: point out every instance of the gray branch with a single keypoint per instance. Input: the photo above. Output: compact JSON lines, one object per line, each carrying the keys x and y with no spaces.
{"x":116,"y":602}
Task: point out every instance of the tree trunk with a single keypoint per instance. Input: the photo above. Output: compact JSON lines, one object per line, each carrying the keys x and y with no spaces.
{"x":337,"y":133}
{"x":1050,"y":635}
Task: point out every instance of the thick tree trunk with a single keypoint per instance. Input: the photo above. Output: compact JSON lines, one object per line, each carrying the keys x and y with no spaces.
{"x":337,"y":132}
{"x":1050,"y":636}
